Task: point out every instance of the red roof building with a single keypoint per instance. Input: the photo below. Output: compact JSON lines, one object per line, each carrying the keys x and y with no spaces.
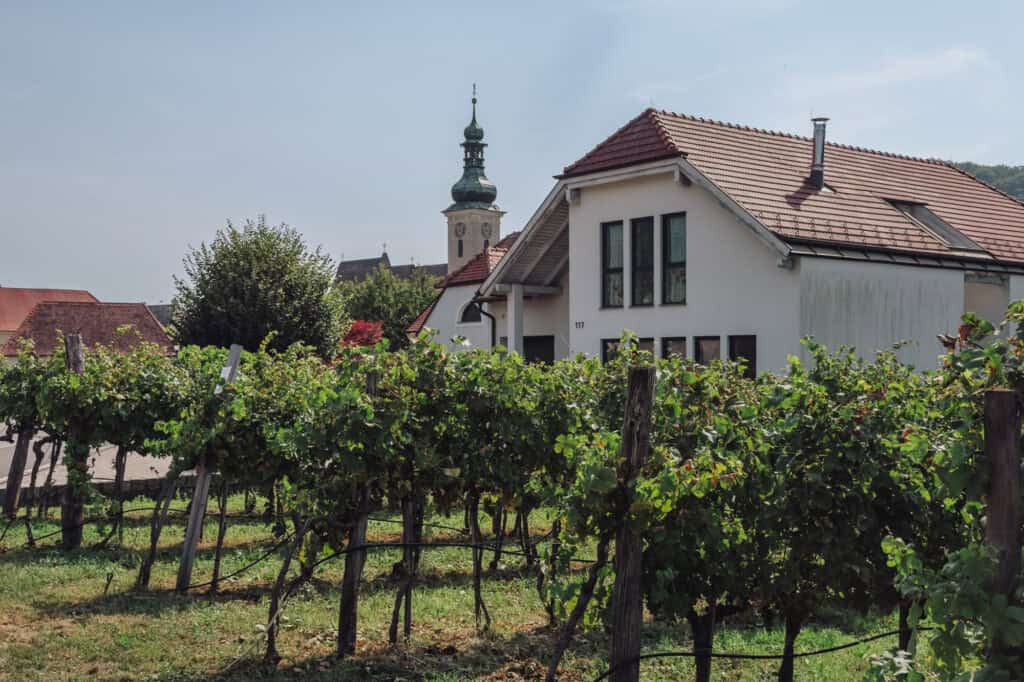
{"x":726,"y":241}
{"x":767,"y":173}
{"x":16,"y":303}
{"x":98,"y":323}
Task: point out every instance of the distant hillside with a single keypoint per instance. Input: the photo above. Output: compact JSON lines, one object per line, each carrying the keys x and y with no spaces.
{"x":1010,"y":179}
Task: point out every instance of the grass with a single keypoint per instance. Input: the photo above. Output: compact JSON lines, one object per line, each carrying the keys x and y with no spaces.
{"x":76,"y":616}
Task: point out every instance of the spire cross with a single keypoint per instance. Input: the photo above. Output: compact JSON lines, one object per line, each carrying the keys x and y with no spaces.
{"x":474,"y":101}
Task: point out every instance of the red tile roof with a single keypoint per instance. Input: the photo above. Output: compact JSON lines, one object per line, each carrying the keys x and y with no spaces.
{"x":16,"y":304}
{"x":96,"y":322}
{"x":480,"y":266}
{"x":474,"y":271}
{"x":767,"y":174}
{"x":421,"y":320}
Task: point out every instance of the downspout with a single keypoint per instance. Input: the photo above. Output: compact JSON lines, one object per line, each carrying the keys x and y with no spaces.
{"x":494,"y":323}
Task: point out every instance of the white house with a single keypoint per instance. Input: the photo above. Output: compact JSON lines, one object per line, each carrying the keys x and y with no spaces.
{"x":719,"y":240}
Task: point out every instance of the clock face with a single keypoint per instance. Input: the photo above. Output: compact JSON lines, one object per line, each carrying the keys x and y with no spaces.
{"x":485,"y":229}
{"x":460,"y":230}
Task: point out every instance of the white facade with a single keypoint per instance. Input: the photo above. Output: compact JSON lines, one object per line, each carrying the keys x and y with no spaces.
{"x":739,"y":282}
{"x":734,"y":283}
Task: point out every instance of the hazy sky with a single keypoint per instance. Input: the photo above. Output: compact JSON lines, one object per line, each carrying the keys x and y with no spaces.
{"x":129,"y":130}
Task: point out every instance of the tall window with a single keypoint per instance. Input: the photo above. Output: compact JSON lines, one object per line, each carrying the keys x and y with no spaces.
{"x":673,"y":258}
{"x":744,"y":347}
{"x":706,"y":349}
{"x":642,"y":251}
{"x":460,"y":248}
{"x":611,"y":265}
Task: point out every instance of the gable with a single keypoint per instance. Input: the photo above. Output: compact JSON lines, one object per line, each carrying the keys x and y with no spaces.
{"x":767,"y":174}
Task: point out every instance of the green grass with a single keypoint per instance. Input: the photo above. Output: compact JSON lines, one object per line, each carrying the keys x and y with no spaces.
{"x":62,"y":621}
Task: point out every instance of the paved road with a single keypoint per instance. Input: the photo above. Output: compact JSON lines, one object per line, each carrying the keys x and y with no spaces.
{"x":101,"y":463}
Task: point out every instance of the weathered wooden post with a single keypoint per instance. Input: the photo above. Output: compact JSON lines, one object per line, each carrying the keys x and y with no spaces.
{"x":348,"y":611}
{"x":17,"y":470}
{"x":627,"y":600}
{"x":1002,"y":431}
{"x":72,"y":508}
{"x":201,"y":494}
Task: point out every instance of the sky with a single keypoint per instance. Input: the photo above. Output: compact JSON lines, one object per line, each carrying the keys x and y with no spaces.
{"x":131,"y":131}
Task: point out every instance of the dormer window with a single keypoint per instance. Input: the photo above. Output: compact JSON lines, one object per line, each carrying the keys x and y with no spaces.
{"x":923,"y":216}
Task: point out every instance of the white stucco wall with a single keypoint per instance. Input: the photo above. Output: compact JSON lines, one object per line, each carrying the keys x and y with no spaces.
{"x":447,"y":312}
{"x":734,"y":284}
{"x":989,"y":300}
{"x":870,"y":306}
{"x":542,"y":316}
{"x":1016,"y":287}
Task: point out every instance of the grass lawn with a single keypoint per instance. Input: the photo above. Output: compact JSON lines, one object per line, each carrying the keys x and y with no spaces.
{"x":76,"y":616}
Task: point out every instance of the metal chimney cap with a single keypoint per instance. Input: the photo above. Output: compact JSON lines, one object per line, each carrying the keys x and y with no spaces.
{"x":819,"y":119}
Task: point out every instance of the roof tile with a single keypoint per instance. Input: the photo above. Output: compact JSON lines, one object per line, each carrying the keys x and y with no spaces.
{"x":96,"y":322}
{"x":767,"y":173}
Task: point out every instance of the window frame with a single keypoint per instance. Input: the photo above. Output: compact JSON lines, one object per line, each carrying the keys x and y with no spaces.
{"x":635,"y":225}
{"x":665,"y":340}
{"x":667,"y":264}
{"x":751,"y":367}
{"x":696,"y":348}
{"x":462,"y":311}
{"x":605,"y":270}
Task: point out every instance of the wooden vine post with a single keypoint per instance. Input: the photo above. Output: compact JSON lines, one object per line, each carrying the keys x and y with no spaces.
{"x":627,"y":600}
{"x":636,"y":443}
{"x":348,"y":611}
{"x":201,"y":494}
{"x":17,"y":471}
{"x":1002,"y":431}
{"x":72,"y":509}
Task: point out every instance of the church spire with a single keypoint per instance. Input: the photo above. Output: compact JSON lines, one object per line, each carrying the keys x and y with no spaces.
{"x":473,"y":190}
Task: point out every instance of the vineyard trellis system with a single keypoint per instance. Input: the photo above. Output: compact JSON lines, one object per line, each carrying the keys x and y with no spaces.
{"x":705,"y":492}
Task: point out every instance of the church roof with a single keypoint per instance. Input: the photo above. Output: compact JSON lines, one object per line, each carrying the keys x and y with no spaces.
{"x":359,"y":269}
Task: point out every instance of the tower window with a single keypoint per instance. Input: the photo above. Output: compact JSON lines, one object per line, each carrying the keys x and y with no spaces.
{"x":460,"y":248}
{"x":487,"y":244}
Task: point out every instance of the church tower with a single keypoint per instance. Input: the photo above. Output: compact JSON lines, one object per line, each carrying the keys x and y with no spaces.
{"x":474,"y":220}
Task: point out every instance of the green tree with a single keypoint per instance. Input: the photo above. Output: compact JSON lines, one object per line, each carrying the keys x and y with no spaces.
{"x":393,"y":301}
{"x":255,"y":281}
{"x":1010,"y":179}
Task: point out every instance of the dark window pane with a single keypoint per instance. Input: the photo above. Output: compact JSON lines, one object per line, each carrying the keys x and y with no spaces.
{"x":706,"y":349}
{"x":642,"y":249}
{"x":675,"y":284}
{"x":673,"y":281}
{"x":613,"y":245}
{"x":471,"y":313}
{"x":744,"y":347}
{"x":611,"y":265}
{"x":613,"y":289}
{"x":643,"y":287}
{"x":673,"y":346}
{"x":646,"y":345}
{"x":609,"y":349}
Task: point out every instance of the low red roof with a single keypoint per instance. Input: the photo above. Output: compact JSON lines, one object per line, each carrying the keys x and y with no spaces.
{"x":96,"y":322}
{"x":767,"y":174}
{"x":421,"y":320}
{"x":479,"y":267}
{"x":16,"y":303}
{"x":474,"y":271}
